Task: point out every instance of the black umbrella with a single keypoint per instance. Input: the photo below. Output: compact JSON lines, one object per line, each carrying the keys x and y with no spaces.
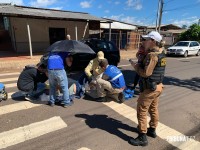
{"x":70,"y":46}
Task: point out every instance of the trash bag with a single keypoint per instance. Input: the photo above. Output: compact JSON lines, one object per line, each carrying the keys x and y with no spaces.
{"x":128,"y":94}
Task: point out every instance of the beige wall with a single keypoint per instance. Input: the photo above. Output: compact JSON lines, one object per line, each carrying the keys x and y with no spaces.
{"x":39,"y":30}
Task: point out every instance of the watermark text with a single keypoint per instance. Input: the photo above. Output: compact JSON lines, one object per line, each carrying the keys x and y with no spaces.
{"x":180,"y":138}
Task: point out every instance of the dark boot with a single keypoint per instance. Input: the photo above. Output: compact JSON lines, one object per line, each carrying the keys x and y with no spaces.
{"x":121,"y":98}
{"x":141,"y":140}
{"x":151,"y":132}
{"x":101,"y":99}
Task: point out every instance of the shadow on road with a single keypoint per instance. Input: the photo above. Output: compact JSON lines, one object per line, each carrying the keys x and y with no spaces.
{"x":129,"y":76}
{"x":108,"y":124}
{"x":18,"y":96}
{"x":192,"y":84}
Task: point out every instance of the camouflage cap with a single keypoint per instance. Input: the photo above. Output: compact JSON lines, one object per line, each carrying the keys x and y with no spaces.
{"x":100,"y":55}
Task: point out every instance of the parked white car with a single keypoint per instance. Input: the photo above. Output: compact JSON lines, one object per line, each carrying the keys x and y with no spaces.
{"x":184,"y":48}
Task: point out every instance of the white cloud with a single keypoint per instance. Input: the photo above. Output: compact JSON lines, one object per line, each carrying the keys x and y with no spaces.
{"x":185,"y":14}
{"x":107,"y":11}
{"x":165,"y":12}
{"x":86,"y":4}
{"x":132,"y":20}
{"x":42,"y":3}
{"x":57,"y":8}
{"x":170,"y":20}
{"x":17,"y":2}
{"x":193,"y":17}
{"x":117,"y":2}
{"x":100,"y":6}
{"x":129,"y":2}
{"x":115,"y":17}
{"x":127,"y":19}
{"x":187,"y":21}
{"x":135,"y":4}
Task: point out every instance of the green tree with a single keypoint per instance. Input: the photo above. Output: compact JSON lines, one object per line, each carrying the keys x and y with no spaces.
{"x":192,"y":34}
{"x":184,"y":27}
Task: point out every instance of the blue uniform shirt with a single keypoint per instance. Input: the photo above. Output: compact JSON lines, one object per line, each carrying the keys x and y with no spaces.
{"x":116,"y":78}
{"x":57,"y":60}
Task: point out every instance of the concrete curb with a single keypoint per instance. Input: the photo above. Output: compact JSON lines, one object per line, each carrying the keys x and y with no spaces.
{"x":17,"y":63}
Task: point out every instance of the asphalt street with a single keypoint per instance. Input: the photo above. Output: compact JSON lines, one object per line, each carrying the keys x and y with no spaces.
{"x":90,"y":125}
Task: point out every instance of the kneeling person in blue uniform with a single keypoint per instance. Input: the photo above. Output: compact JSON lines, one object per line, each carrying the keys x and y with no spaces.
{"x":112,"y":83}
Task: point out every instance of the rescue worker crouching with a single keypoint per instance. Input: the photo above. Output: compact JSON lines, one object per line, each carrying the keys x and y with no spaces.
{"x":112,"y":83}
{"x":31,"y":81}
{"x":152,"y":74}
{"x":93,"y":70}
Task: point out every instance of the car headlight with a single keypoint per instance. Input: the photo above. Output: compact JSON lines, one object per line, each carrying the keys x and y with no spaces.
{"x":179,"y":50}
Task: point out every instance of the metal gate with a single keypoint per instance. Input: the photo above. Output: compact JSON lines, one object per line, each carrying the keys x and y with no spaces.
{"x":125,"y":40}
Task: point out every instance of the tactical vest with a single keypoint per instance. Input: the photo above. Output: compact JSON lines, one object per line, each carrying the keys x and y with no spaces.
{"x":157,"y":75}
{"x":159,"y":70}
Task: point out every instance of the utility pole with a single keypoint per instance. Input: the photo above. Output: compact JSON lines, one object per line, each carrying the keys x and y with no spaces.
{"x":160,"y":16}
{"x":157,"y":15}
{"x":199,"y":22}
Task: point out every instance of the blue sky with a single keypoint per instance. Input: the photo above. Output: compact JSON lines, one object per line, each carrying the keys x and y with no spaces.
{"x":143,"y":12}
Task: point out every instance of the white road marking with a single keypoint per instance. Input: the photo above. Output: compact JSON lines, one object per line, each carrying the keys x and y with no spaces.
{"x":83,"y":148}
{"x":10,"y":85}
{"x":124,"y":65}
{"x":10,"y":94}
{"x":17,"y":107}
{"x":9,"y":79}
{"x":162,"y":130}
{"x":21,"y":134}
{"x":7,"y":74}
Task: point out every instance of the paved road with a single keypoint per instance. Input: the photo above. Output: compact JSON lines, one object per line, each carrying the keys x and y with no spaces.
{"x":105,"y":126}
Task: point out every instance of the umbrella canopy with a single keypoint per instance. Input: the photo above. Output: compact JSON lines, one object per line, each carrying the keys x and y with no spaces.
{"x":70,"y":46}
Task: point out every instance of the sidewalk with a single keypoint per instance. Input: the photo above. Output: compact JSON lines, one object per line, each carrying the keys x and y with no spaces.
{"x":11,"y":61}
{"x":128,"y":54}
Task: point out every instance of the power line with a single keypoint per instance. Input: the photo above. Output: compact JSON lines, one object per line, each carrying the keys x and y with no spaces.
{"x":152,"y":14}
{"x":168,"y":1}
{"x":183,"y":7}
{"x":153,"y":21}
